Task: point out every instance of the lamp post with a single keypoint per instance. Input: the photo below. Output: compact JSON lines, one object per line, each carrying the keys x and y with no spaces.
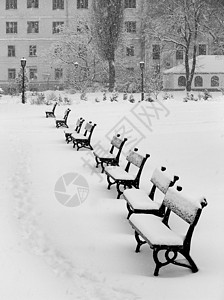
{"x":142,"y":65}
{"x":23,"y":65}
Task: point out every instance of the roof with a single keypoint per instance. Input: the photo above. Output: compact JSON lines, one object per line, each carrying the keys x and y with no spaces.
{"x":204,"y":64}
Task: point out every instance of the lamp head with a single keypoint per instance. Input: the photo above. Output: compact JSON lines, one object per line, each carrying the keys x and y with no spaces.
{"x":23,"y":62}
{"x":142,"y":65}
{"x":76,"y":64}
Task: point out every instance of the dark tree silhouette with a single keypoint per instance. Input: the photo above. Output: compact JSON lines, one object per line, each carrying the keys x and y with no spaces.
{"x":107,"y":23}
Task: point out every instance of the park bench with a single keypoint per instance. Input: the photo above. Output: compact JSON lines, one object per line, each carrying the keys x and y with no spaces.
{"x":51,"y":113}
{"x":83,"y":140}
{"x":68,"y":132}
{"x":63,"y":122}
{"x":139,"y":201}
{"x":110,"y":158}
{"x":123,"y":177}
{"x":166,"y":240}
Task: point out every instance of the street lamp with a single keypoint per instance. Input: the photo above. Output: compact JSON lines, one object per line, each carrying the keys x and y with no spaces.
{"x":23,"y":65}
{"x":76,"y":64}
{"x":142,"y":65}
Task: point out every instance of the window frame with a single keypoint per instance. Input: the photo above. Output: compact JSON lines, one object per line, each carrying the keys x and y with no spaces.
{"x":55,"y":25}
{"x":198,"y":83}
{"x":11,"y":71}
{"x":33,"y":72}
{"x":58,"y":4}
{"x":214,"y":81}
{"x":82,"y":4}
{"x":30,"y":28}
{"x":32,"y":3}
{"x":32,"y":50}
{"x":131,"y":26}
{"x":11,"y":4}
{"x":12,"y":50}
{"x":58,"y":71}
{"x":181,"y":77}
{"x":14,"y":28}
{"x":130,"y":4}
{"x":156,"y":52}
{"x":130,"y":51}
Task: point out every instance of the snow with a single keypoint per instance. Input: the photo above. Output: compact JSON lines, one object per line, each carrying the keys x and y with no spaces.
{"x":50,"y":251}
{"x":204,"y":64}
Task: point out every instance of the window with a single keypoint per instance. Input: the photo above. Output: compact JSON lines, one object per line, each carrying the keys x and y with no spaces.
{"x":202,"y":49}
{"x":130,"y":51}
{"x":179,"y":53}
{"x":156,"y":51}
{"x":82,"y":3}
{"x":58,"y":74}
{"x":58,"y":4}
{"x":11,"y":27}
{"x":11,"y":74}
{"x":181,"y":81}
{"x":156,"y":69}
{"x":130,"y":69}
{"x":11,"y":4}
{"x":11,"y":51}
{"x":215,"y":81}
{"x":130,"y":26}
{"x":130,"y":4}
{"x":198,"y":81}
{"x":32,"y":3}
{"x":33,"y":27}
{"x":33,"y":73}
{"x":32,"y":50}
{"x":56,"y":27}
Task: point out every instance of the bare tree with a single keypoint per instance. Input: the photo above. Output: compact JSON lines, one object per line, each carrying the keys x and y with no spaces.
{"x":181,"y":23}
{"x":107,"y":25}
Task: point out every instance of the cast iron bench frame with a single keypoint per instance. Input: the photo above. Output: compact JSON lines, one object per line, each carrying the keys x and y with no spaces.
{"x":63,"y":122}
{"x":111,"y":159}
{"x":133,"y":158}
{"x":188,"y":211}
{"x":84,"y":140}
{"x":68,"y":135}
{"x":158,"y":183}
{"x":51,"y":113}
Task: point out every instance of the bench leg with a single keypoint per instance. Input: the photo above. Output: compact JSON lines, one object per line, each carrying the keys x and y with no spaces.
{"x":169,"y":259}
{"x":130,"y":212}
{"x":191,"y":265}
{"x":139,"y":242}
{"x":110,"y":183}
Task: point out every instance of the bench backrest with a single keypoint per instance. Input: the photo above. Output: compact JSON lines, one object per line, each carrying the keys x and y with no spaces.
{"x":136,"y":159}
{"x":161,"y":181}
{"x":53,"y":109}
{"x":187,"y":209}
{"x":89,"y":127}
{"x":117,"y":143}
{"x":67,"y":111}
{"x":79,"y":124}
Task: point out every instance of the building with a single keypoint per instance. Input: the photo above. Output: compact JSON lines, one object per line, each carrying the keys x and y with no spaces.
{"x":209,"y":74}
{"x":29,"y":27}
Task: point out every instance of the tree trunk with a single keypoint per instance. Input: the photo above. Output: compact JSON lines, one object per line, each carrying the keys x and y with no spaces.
{"x":188,"y":86}
{"x":111,"y":75}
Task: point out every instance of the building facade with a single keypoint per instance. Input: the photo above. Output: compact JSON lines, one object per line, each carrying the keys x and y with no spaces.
{"x":29,"y":27}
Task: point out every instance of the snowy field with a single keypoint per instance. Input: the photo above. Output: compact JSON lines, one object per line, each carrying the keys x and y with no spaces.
{"x":50,"y":251}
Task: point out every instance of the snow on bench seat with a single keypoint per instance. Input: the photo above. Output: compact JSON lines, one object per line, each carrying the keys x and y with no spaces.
{"x":154,"y":231}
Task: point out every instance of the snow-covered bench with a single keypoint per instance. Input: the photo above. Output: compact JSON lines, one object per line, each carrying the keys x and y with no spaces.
{"x":83,"y":140}
{"x":110,"y":158}
{"x":63,"y":122}
{"x":139,"y":201}
{"x":51,"y":113}
{"x":68,"y":132}
{"x":166,"y":239}
{"x":123,"y":177}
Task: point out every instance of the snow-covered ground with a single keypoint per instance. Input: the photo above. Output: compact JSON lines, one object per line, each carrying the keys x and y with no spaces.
{"x":50,"y":251}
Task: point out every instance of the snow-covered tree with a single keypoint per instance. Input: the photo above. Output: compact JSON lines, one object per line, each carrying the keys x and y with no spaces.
{"x":181,"y":24}
{"x":107,"y":26}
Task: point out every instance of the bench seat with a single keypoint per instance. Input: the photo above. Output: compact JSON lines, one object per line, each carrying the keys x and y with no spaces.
{"x":154,"y":230}
{"x":119,"y":173}
{"x":139,"y":199}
